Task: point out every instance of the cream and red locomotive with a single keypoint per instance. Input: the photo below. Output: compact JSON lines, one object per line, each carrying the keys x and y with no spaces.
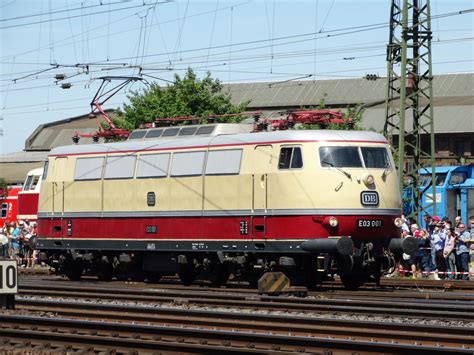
{"x":210,"y":200}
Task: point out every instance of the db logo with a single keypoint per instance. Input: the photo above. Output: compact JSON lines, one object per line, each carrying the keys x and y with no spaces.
{"x":369,"y":198}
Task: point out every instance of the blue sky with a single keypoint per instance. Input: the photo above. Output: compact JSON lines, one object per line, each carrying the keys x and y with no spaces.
{"x":236,"y":40}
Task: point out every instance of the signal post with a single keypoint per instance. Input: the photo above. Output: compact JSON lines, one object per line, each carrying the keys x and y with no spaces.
{"x":8,"y":283}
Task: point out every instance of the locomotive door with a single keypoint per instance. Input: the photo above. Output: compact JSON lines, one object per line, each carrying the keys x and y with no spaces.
{"x":59,"y":177}
{"x":262,"y":163}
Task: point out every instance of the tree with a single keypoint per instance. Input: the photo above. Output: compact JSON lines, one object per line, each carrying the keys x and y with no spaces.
{"x":3,"y":188}
{"x":187,"y":96}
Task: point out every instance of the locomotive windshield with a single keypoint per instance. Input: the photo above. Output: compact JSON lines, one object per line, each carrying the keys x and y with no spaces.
{"x":354,"y":157}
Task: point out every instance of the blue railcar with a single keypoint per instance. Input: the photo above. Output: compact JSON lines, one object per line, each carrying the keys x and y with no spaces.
{"x":454,"y":192}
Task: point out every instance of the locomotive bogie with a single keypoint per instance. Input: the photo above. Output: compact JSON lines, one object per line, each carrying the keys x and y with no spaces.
{"x":238,"y":204}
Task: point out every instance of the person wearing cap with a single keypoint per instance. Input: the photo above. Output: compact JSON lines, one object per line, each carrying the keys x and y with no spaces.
{"x":449,"y":252}
{"x":439,"y":240}
{"x":462,"y":251}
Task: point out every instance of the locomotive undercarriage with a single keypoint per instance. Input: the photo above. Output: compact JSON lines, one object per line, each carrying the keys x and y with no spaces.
{"x":366,"y":263}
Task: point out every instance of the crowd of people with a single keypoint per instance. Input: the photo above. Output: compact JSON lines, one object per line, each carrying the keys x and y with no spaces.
{"x":15,"y":242}
{"x":443,"y":248}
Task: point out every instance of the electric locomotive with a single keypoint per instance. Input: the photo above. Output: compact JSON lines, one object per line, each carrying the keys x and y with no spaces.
{"x":210,"y":200}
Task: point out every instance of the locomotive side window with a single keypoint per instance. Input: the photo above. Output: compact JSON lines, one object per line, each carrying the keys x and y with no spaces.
{"x":88,"y":168}
{"x":154,"y":133}
{"x":153,"y":165}
{"x":170,"y":132}
{"x":290,"y":158}
{"x":45,"y":170}
{"x":187,"y":164}
{"x":205,"y":130}
{"x":340,"y":157}
{"x":137,"y":134}
{"x":187,"y":131}
{"x":375,"y":157}
{"x":224,"y":162}
{"x":120,"y":167}
{"x":4,"y":210}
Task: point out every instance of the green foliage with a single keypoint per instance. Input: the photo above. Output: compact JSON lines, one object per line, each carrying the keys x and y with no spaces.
{"x":355,"y":112}
{"x":3,"y":188}
{"x":188,"y":96}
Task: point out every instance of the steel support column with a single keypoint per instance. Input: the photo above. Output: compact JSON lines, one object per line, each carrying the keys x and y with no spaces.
{"x":410,"y":93}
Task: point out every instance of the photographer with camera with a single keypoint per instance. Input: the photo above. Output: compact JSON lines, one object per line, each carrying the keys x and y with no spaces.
{"x":438,"y":239}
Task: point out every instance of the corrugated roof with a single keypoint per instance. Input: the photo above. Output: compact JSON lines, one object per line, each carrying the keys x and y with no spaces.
{"x":447,"y":119}
{"x":54,"y":134}
{"x":338,"y":92}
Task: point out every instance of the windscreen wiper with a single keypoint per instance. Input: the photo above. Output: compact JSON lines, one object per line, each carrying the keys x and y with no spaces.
{"x":338,"y":168}
{"x":386,"y":169}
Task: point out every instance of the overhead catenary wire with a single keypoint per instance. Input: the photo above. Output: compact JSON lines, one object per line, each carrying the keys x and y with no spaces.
{"x":76,"y":16}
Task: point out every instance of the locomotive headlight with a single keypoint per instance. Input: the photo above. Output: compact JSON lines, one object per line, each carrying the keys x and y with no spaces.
{"x":368,"y":179}
{"x":398,"y":222}
{"x":333,"y":222}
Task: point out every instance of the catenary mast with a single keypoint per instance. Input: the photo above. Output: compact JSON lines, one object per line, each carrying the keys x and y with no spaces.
{"x":409,"y":120}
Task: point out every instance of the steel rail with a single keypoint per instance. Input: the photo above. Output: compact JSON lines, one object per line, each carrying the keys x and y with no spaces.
{"x":152,"y":337}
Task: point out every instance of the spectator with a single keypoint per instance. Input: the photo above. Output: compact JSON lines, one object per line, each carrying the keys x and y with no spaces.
{"x":439,"y":238}
{"x":457,"y":222}
{"x":471,"y":224}
{"x":423,"y":255}
{"x":14,"y":235}
{"x":462,"y":252}
{"x":3,"y":242}
{"x":449,"y":253}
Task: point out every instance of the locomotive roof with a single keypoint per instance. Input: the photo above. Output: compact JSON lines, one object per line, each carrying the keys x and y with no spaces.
{"x":223,"y":140}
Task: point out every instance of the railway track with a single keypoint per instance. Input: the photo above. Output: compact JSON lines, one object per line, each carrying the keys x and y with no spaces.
{"x":429,"y":306}
{"x":386,"y":282}
{"x":134,"y":317}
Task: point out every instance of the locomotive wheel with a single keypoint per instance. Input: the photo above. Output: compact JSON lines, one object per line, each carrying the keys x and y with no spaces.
{"x":352,"y":281}
{"x":220,"y":276}
{"x":74,"y":270}
{"x":105,"y":271}
{"x":152,"y":277}
{"x":186,"y":274}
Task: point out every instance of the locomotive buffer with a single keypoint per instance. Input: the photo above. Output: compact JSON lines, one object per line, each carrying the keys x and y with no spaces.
{"x":8,"y":282}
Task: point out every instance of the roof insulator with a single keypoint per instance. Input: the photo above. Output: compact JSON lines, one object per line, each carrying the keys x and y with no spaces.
{"x":66,"y":86}
{"x":60,"y":77}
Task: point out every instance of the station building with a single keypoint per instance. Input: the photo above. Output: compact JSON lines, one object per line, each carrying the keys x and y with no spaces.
{"x":453,"y":97}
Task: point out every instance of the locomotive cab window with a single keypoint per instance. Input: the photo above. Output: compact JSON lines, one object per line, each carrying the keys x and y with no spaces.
{"x":340,"y":157}
{"x":290,"y":158}
{"x":375,"y":157}
{"x":34,"y":182}
{"x":27,"y":184}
